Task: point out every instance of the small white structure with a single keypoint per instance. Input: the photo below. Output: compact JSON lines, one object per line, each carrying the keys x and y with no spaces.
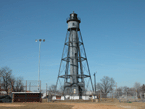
{"x":89,"y":93}
{"x":3,"y":92}
{"x":68,"y":97}
{"x":44,"y":95}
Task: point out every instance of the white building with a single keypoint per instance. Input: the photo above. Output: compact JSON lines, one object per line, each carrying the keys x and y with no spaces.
{"x":68,"y":97}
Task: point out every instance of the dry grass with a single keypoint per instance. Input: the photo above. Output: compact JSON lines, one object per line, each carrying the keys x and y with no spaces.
{"x":104,"y":104}
{"x":72,"y":104}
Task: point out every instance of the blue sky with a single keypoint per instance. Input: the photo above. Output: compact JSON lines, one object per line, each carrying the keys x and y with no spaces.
{"x":113,"y":32}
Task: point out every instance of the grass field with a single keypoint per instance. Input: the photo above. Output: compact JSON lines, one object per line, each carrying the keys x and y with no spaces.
{"x":73,"y":105}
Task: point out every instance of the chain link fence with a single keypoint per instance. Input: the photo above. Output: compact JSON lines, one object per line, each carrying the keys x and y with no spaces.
{"x":119,"y":96}
{"x":142,"y":96}
{"x":128,"y":96}
{"x":99,"y":96}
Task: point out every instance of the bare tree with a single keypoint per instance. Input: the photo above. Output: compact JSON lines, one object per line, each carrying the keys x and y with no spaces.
{"x":52,"y":88}
{"x":7,"y":81}
{"x":106,"y":84}
{"x":143,"y":88}
{"x":12,"y":81}
{"x":0,"y":78}
{"x":5,"y":73}
{"x":119,"y":91}
{"x":0,"y":75}
{"x":125,"y":89}
{"x":137,"y":85}
{"x":61,"y":89}
{"x":18,"y":85}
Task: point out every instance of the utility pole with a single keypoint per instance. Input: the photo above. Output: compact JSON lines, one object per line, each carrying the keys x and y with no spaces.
{"x":116,"y":86}
{"x":95,"y":81}
{"x":116,"y":89}
{"x":29,"y":86}
{"x":0,"y":84}
{"x":46,"y":89}
{"x":39,"y":61}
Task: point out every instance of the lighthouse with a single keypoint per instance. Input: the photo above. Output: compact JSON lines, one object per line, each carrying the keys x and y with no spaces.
{"x":72,"y":69}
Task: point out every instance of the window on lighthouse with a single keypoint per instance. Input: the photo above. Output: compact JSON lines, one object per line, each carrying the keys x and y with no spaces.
{"x":73,"y":24}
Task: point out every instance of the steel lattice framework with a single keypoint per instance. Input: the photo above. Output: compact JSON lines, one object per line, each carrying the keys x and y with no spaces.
{"x":74,"y":74}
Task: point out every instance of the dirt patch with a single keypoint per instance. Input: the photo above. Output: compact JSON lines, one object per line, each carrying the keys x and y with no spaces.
{"x":35,"y":105}
{"x":133,"y":105}
{"x":10,"y":105}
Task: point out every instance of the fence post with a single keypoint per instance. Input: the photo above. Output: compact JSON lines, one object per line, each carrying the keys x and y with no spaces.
{"x":46,"y":93}
{"x":29,"y":87}
{"x":135,"y":96}
{"x":40,"y":86}
{"x":112,"y":96}
{"x":126,"y":96}
{"x":141,"y":96}
{"x":12,"y":95}
{"x":12,"y":87}
{"x":26,"y":85}
{"x":100,"y":95}
{"x":0,"y":84}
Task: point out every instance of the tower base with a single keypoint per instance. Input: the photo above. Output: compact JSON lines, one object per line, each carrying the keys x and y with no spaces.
{"x":74,"y":90}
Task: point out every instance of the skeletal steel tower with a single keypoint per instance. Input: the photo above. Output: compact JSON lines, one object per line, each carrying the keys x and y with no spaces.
{"x":74,"y":69}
